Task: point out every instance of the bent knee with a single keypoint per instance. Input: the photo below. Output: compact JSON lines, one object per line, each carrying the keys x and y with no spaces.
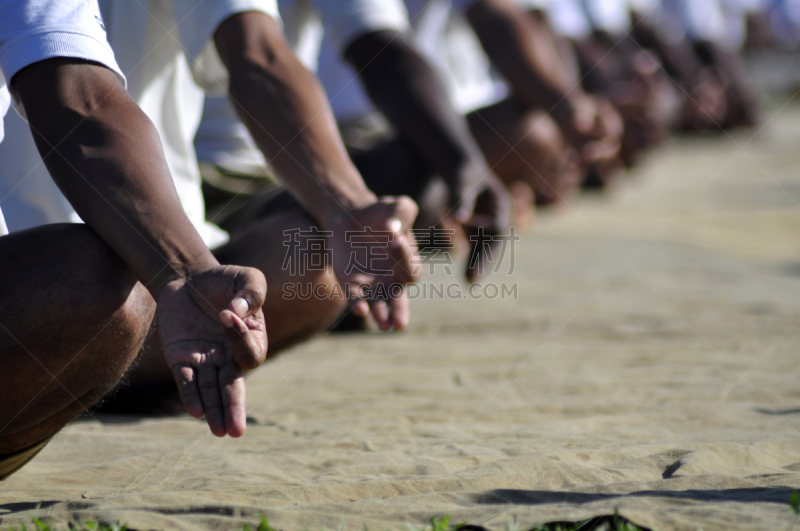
{"x":542,"y":133}
{"x":302,"y":307}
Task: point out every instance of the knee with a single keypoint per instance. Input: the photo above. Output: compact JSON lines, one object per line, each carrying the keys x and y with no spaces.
{"x":302,"y":307}
{"x":132,"y":324}
{"x":119,"y":306}
{"x":541,"y":158}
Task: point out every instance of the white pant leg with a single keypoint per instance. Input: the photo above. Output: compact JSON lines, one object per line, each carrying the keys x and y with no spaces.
{"x":28,"y":195}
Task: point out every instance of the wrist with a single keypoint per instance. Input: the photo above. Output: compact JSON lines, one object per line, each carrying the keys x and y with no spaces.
{"x":565,"y":110}
{"x":180,"y":269}
{"x":336,"y":208}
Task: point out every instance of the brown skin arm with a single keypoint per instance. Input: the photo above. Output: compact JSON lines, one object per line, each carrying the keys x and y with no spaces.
{"x":527,"y":59}
{"x":405,"y":88}
{"x":531,"y":62}
{"x":286,"y":111}
{"x":105,"y":156}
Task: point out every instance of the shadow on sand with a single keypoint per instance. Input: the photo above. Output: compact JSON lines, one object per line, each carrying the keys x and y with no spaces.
{"x":541,"y":497}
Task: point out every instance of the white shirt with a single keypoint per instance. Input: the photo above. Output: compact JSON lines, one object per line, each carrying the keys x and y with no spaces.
{"x":35,"y":30}
{"x":343,"y":20}
{"x":693,"y":20}
{"x":165,"y":48}
{"x":533,"y":4}
{"x":611,"y":16}
{"x":568,"y":19}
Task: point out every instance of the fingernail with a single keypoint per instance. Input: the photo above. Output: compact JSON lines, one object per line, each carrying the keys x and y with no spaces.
{"x":240,"y":306}
{"x":395,"y":225}
{"x":227,"y":320}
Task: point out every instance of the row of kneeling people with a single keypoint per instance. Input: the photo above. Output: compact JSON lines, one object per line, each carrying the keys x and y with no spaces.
{"x":224,"y":148}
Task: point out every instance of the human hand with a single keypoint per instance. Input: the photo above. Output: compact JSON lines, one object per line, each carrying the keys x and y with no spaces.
{"x":372,"y":249}
{"x":481,"y":205}
{"x":595,"y":129}
{"x":212,"y":329}
{"x":705,"y":104}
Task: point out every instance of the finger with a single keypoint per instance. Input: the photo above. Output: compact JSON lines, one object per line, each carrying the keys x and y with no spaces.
{"x":493,"y":207}
{"x":208,"y":385}
{"x":397,"y":216}
{"x":483,"y":245}
{"x":462,"y":204}
{"x":380,"y":312}
{"x":186,"y":379}
{"x":403,"y":255}
{"x":504,"y":205}
{"x":232,"y":390}
{"x":251,"y":292}
{"x":403,"y":208}
{"x":248,"y":351}
{"x":361,"y":308}
{"x":400,"y":312}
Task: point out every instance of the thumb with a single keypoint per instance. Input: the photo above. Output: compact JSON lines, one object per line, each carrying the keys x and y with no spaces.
{"x":462,"y":205}
{"x":251,"y":292}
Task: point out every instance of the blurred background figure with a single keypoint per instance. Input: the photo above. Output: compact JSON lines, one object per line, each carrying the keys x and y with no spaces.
{"x":426,"y":152}
{"x":783,"y":17}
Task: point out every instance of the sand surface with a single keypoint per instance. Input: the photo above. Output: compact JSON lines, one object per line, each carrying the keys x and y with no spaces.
{"x":649,"y":364}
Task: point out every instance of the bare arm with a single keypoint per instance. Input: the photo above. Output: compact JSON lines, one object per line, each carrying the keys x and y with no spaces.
{"x":531,"y":63}
{"x":525,"y":57}
{"x":286,"y":111}
{"x":410,"y":94}
{"x":106,"y":157}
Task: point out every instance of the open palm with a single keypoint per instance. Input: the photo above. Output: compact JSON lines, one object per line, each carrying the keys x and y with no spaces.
{"x":212,"y":329}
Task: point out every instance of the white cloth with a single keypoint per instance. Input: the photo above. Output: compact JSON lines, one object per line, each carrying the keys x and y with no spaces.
{"x":224,"y":141}
{"x":444,"y":37}
{"x":468,"y":71}
{"x":544,"y":5}
{"x":693,"y":20}
{"x":165,"y":49}
{"x":35,"y":30}
{"x":611,"y":16}
{"x":343,"y":20}
{"x":5,"y":103}
{"x":735,"y":13}
{"x":568,"y":19}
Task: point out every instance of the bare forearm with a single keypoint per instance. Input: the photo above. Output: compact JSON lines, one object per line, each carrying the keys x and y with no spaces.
{"x":106,"y":157}
{"x":526,"y":58}
{"x":410,"y":94}
{"x":287,"y":113}
{"x":678,"y":60}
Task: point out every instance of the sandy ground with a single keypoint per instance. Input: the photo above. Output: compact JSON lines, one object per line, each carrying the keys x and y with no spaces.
{"x":648,"y":364}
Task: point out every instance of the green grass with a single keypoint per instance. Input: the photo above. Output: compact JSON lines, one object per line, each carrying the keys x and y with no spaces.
{"x":442,"y":523}
{"x":262,"y":526}
{"x":614,"y":522}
